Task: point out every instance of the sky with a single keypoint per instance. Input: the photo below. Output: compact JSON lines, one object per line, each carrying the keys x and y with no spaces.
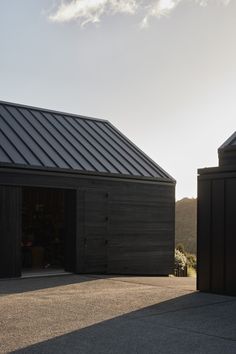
{"x":162,"y":71}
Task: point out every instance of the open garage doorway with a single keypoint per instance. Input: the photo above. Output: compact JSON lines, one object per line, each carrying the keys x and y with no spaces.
{"x":48,"y":231}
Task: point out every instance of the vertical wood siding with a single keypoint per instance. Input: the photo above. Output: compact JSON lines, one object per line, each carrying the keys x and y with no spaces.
{"x":217,"y":235}
{"x":230,"y":237}
{"x":204,"y":236}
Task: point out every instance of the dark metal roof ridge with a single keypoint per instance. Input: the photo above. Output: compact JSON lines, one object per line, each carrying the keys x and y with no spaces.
{"x":84,"y":173}
{"x":228,"y":141}
{"x":71,"y":115}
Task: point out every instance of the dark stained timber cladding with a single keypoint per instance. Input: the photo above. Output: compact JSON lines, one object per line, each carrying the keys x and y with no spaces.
{"x":122,"y":227}
{"x":217,"y":223}
{"x":141,"y":231}
{"x":80,"y":231}
{"x":204,"y":236}
{"x":227,"y":158}
{"x":95,"y":236}
{"x":70,"y":230}
{"x":227,"y":152}
{"x":10,"y":231}
{"x":217,"y":244}
{"x":230,"y":237}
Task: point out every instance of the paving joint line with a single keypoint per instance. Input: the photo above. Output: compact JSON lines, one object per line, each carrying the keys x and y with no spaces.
{"x":138,"y":283}
{"x":201,"y":333}
{"x":185,"y":308}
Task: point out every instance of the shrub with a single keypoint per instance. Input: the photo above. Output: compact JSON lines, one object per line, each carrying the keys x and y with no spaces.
{"x":191,"y":260}
{"x":180,"y":247}
{"x":180,"y":260}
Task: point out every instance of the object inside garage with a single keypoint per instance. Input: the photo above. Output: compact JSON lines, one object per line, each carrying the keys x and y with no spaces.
{"x":43,"y":229}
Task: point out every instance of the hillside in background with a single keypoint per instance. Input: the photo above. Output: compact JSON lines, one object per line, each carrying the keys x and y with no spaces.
{"x":186,"y":224}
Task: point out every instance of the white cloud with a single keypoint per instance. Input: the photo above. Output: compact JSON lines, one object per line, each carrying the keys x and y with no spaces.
{"x":161,"y":8}
{"x":86,"y":11}
{"x":158,"y":9}
{"x":91,"y":10}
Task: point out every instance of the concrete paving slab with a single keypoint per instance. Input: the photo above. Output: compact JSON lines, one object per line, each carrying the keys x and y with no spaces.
{"x":125,"y":336}
{"x":91,"y":314}
{"x":215,"y":319}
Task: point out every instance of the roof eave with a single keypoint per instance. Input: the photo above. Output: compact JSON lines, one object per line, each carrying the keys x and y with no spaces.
{"x":5,"y":166}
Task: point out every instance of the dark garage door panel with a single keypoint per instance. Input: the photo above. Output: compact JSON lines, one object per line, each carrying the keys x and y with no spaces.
{"x":10,"y":231}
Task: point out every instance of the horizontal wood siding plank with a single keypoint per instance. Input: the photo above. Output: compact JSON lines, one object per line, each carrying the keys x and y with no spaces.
{"x":122,"y":226}
{"x":141,"y":230}
{"x":95,"y":236}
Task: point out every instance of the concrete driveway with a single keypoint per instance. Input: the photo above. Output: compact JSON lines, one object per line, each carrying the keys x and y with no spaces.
{"x":92,"y":314}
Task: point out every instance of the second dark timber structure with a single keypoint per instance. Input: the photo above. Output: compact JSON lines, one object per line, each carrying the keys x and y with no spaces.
{"x":217,"y":223}
{"x":76,"y":194}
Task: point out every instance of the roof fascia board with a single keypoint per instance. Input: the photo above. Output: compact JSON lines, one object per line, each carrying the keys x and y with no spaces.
{"x":82,"y":174}
{"x":220,"y":169}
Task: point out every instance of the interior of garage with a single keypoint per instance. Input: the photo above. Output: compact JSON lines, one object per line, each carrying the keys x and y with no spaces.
{"x":43,"y":229}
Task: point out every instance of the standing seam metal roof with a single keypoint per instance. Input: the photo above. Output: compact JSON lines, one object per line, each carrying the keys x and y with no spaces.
{"x":42,"y":138}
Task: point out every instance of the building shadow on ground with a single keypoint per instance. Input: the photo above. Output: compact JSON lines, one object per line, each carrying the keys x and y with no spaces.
{"x":21,"y":285}
{"x":194,"y":323}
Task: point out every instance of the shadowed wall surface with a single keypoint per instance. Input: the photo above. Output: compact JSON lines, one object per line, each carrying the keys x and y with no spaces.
{"x":217,"y":223}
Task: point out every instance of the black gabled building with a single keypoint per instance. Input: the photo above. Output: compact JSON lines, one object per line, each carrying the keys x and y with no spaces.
{"x":217,"y":223}
{"x":76,"y":194}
